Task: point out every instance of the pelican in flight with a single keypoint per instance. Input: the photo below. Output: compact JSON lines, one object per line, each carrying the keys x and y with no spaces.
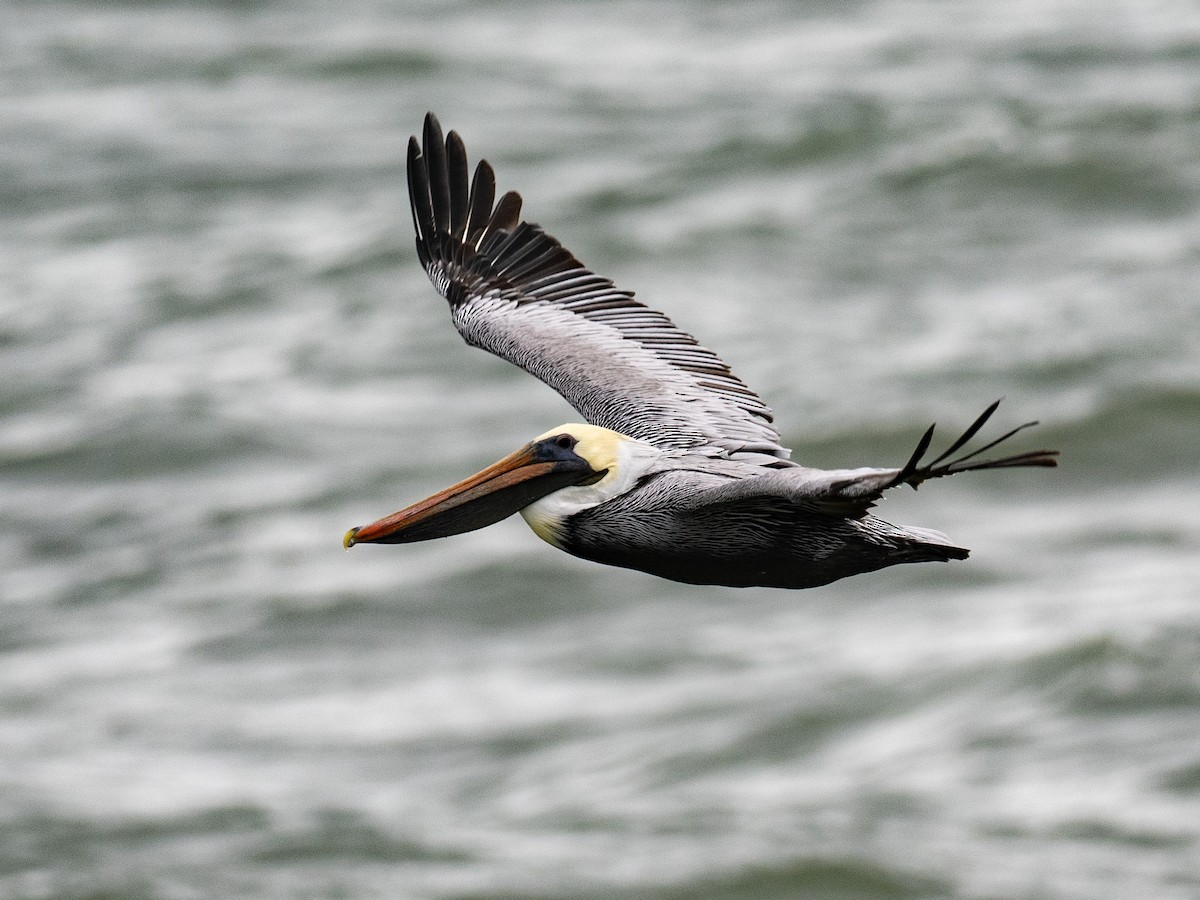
{"x":678,"y":470}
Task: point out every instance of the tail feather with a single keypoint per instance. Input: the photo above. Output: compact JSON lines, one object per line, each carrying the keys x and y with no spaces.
{"x":928,"y":545}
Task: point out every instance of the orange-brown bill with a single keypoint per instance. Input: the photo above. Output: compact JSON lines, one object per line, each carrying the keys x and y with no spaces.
{"x":537,"y":469}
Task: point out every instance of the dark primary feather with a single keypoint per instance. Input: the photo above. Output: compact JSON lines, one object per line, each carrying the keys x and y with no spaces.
{"x":517,"y":292}
{"x":914,"y":472}
{"x":853,"y":495}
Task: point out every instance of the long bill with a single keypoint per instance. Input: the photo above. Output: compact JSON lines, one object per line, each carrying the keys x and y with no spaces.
{"x":496,"y":493}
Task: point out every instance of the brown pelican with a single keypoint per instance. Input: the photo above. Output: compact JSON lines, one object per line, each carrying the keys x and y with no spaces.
{"x":679,"y":471}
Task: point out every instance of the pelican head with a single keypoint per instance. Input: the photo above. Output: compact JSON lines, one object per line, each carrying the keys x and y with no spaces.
{"x":579,"y":462}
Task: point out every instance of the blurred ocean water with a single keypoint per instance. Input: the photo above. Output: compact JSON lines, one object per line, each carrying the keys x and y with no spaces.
{"x":218,"y":351}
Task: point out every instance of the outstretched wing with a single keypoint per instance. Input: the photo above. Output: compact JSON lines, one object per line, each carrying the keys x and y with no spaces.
{"x":850,"y":493}
{"x":518,"y":293}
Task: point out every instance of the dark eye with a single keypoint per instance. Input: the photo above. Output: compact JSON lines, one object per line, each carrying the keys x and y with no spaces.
{"x":565,"y":442}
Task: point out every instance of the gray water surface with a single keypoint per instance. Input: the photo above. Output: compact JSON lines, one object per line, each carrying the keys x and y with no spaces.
{"x":218,"y":352}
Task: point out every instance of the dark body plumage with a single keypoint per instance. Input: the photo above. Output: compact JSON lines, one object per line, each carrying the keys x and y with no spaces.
{"x":760,"y":538}
{"x":679,"y":471}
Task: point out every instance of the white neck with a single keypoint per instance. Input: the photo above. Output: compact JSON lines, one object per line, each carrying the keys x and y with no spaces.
{"x":547,"y":515}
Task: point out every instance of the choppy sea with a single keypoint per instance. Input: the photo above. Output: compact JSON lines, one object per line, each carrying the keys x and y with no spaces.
{"x":218,"y":352}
